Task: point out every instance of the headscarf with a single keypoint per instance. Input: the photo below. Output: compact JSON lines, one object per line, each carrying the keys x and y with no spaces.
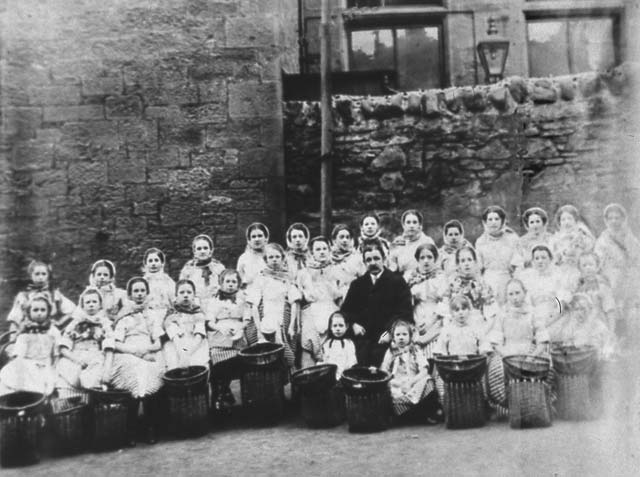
{"x":366,"y":238}
{"x":112,"y":269}
{"x":282,"y":274}
{"x":231,"y":296}
{"x":339,"y":255}
{"x":299,"y":255}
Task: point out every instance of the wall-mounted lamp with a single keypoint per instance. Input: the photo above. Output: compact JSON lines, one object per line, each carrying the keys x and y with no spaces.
{"x":493,"y":53}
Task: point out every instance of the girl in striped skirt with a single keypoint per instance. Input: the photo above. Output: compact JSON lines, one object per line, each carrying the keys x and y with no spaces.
{"x":410,"y":380}
{"x":275,"y":302}
{"x":138,"y":366}
{"x":227,"y":317}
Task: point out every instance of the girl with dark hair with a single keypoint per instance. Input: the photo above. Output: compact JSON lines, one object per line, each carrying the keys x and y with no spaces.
{"x":162,"y":286}
{"x":404,"y":247}
{"x":535,"y":221}
{"x":337,"y":348}
{"x":452,"y":240}
{"x":251,"y":262}
{"x":347,"y":262}
{"x":572,"y":234}
{"x":298,"y":254}
{"x":497,"y":250}
{"x":103,"y":277}
{"x":203,"y":269}
{"x":370,"y":231}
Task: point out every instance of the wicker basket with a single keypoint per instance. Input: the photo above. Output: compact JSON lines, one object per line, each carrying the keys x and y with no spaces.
{"x":69,"y":422}
{"x":261,"y":354}
{"x":527,"y":391}
{"x":368,"y":399}
{"x":574,"y":372}
{"x":463,"y":400}
{"x":187,"y":392}
{"x":21,"y":428}
{"x":109,"y":415}
{"x":321,"y":401}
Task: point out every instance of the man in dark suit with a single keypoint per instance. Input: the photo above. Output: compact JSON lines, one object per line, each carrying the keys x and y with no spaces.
{"x":374,"y":301}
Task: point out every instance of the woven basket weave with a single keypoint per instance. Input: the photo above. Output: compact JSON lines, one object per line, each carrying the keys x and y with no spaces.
{"x":21,"y":428}
{"x":69,"y":422}
{"x":187,"y":392}
{"x":109,"y":417}
{"x":574,"y":368}
{"x":463,"y":400}
{"x":321,"y":401}
{"x":527,"y":391}
{"x":368,"y":399}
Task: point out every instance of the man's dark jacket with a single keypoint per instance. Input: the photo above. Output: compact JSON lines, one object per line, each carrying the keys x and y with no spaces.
{"x":376,"y":307}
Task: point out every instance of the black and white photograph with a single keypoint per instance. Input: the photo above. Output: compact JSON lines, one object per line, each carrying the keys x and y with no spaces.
{"x":319,"y":237}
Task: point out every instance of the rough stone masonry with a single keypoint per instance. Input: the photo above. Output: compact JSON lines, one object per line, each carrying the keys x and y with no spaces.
{"x":130,"y":124}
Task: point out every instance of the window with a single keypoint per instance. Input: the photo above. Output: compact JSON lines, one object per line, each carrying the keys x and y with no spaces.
{"x":571,"y":45}
{"x":414,"y":52}
{"x":390,"y":3}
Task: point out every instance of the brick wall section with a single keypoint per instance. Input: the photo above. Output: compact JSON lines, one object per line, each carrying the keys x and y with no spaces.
{"x":130,"y":124}
{"x":450,"y":153}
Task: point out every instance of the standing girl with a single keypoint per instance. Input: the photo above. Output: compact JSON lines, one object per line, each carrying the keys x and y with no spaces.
{"x":597,"y":288}
{"x":41,"y":284}
{"x":319,"y":286}
{"x":228,"y":316}
{"x":619,"y":251}
{"x":251,"y":262}
{"x":404,"y":246}
{"x":469,"y":283}
{"x":347,"y":262}
{"x":203,"y":270}
{"x":297,"y":248}
{"x":337,"y":348}
{"x":572,"y":234}
{"x":428,"y":289}
{"x":535,"y":222}
{"x":103,"y":277}
{"x":497,"y":250}
{"x":410,"y":381}
{"x":274,"y":299}
{"x":161,"y":285}
{"x":185,"y":328}
{"x":453,"y":240}
{"x":137,"y":362}
{"x":86,"y":348}
{"x":35,"y":350}
{"x":370,"y":232}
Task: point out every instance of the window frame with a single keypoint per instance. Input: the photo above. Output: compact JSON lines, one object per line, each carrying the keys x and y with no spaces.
{"x":614,"y":13}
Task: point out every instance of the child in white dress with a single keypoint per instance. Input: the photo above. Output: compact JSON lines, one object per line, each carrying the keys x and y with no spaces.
{"x":337,"y":348}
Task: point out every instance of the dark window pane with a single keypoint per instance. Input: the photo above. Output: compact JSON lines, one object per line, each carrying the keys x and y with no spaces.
{"x":548,"y":49}
{"x":418,"y":58}
{"x":372,"y":50}
{"x":591,"y":41}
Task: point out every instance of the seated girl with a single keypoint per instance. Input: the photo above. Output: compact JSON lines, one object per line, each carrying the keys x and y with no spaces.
{"x":86,"y":348}
{"x":584,"y":326}
{"x":459,"y":337}
{"x":103,"y":277}
{"x":138,"y":366}
{"x":428,"y":288}
{"x":227,"y":318}
{"x":595,"y":285}
{"x":337,"y":348}
{"x":41,"y":284}
{"x":274,"y":299}
{"x":184,"y":325}
{"x":319,"y":285}
{"x":162,"y":288}
{"x":410,"y":381}
{"x":203,"y":270}
{"x":35,"y":350}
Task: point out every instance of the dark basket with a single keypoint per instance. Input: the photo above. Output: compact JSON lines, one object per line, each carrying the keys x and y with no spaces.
{"x":574,"y":360}
{"x":315,"y":379}
{"x":323,"y":409}
{"x":461,"y":368}
{"x":262,"y":389}
{"x":262,"y":354}
{"x":463,"y":400}
{"x":368,"y":399}
{"x":21,"y":428}
{"x":528,"y":392}
{"x":69,"y":422}
{"x":187,"y":393}
{"x":109,"y":413}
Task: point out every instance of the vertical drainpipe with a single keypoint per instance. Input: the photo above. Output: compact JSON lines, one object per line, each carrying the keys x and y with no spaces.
{"x":325,"y":111}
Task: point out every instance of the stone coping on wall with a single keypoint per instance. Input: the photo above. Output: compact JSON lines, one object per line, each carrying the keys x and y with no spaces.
{"x":504,"y":97}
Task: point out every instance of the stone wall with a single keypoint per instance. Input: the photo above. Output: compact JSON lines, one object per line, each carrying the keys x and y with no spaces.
{"x":130,"y":124}
{"x":450,"y":153}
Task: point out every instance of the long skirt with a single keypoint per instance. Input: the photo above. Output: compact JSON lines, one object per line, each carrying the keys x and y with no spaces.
{"x":185,"y":351}
{"x":280,"y":336}
{"x":315,"y":320}
{"x":403,"y":401}
{"x":72,"y":375}
{"x":24,"y":374}
{"x":141,"y":377}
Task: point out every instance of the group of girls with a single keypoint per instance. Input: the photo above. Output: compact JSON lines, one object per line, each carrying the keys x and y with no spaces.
{"x":507,"y":295}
